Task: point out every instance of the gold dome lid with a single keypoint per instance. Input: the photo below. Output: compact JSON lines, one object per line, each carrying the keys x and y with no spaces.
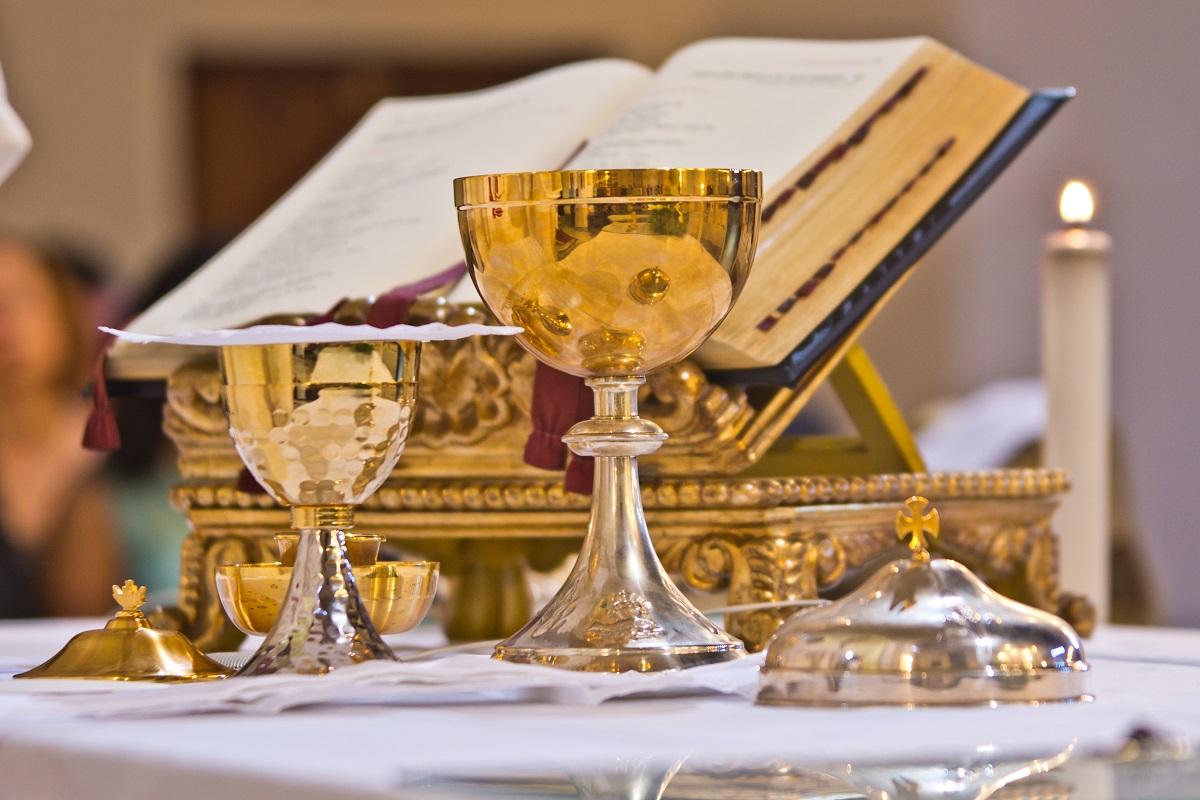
{"x":129,"y":649}
{"x":922,"y":632}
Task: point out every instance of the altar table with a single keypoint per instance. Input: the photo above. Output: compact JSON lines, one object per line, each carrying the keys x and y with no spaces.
{"x":1140,"y":677}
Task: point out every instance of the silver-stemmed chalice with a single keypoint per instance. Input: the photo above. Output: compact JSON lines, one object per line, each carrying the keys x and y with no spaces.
{"x":613,"y":274}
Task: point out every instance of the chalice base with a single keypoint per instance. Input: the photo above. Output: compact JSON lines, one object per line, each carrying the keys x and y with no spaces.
{"x":322,"y":624}
{"x":663,"y":659}
{"x":618,"y":611}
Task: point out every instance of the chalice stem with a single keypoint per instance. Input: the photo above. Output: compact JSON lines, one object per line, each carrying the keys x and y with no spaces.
{"x":618,"y":610}
{"x":617,"y":539}
{"x":322,"y":624}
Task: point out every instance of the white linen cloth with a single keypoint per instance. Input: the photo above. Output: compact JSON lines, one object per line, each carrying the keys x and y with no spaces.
{"x":478,"y":678}
{"x":455,"y":679}
{"x":378,"y":741}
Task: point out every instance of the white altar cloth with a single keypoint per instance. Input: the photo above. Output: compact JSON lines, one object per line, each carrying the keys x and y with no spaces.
{"x":48,"y":750}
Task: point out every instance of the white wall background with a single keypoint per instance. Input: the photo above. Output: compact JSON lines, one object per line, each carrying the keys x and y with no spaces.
{"x":101,"y":85}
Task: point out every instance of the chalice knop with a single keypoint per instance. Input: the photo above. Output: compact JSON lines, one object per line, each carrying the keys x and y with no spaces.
{"x":320,"y":426}
{"x":613,"y":274}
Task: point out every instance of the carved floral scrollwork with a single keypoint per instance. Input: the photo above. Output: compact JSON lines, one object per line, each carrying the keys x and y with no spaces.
{"x":688,"y":407}
{"x":194,"y":402}
{"x":195,"y":421}
{"x":207,"y":626}
{"x":1019,"y":555}
{"x":802,"y":563}
{"x":708,"y":563}
{"x":758,"y":569}
{"x":780,"y":569}
{"x":468,"y":390}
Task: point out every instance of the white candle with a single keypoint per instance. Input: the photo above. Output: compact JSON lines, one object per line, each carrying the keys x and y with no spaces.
{"x":1076,"y":368}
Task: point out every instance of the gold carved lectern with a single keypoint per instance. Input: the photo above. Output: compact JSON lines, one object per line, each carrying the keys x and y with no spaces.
{"x":736,"y":505}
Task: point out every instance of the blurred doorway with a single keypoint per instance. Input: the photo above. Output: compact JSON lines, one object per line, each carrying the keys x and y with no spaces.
{"x":258,"y":127}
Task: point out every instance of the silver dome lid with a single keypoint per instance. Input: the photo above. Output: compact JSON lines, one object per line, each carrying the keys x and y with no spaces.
{"x":922,"y":632}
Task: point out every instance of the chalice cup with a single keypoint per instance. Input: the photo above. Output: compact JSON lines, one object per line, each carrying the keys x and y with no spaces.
{"x":613,"y":274}
{"x":320,"y":426}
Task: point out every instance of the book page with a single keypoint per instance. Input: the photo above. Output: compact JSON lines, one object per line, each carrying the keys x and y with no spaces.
{"x":762,"y":104}
{"x":378,"y":211}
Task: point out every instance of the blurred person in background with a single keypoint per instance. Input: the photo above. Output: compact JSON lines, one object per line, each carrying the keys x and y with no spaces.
{"x":144,"y":469}
{"x":59,"y":550}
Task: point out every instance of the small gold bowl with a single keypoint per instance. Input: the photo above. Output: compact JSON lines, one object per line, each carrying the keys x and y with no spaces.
{"x":397,"y":594}
{"x":362,"y":549}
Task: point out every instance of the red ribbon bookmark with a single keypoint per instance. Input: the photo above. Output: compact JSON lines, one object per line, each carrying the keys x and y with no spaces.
{"x":101,"y":431}
{"x":559,"y":401}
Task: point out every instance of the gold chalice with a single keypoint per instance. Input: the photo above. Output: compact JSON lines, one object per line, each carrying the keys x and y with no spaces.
{"x":320,"y":426}
{"x":613,"y":274}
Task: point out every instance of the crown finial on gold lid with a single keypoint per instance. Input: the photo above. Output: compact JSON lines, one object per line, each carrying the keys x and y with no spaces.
{"x":130,"y":596}
{"x":916,"y":525}
{"x":129,"y":648}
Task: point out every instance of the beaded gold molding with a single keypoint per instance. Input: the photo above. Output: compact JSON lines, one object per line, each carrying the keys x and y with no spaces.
{"x":670,"y":492}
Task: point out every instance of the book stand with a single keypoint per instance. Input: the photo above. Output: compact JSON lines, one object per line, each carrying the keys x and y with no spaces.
{"x":884,"y":443}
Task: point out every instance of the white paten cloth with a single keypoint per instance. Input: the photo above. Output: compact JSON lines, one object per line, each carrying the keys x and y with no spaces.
{"x":392,"y":722}
{"x":317,"y":334}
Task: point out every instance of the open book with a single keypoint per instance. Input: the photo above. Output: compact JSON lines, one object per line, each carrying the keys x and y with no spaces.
{"x":856,"y":140}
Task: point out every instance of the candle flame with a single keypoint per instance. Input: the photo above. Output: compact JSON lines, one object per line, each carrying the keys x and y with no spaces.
{"x":1076,"y":205}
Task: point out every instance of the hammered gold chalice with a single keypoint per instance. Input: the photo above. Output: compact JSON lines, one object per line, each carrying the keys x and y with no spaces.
{"x":613,"y":274}
{"x":320,"y":426}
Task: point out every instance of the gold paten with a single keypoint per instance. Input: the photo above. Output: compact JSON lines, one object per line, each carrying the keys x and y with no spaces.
{"x":129,"y":649}
{"x":922,"y":632}
{"x":639,"y":266}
